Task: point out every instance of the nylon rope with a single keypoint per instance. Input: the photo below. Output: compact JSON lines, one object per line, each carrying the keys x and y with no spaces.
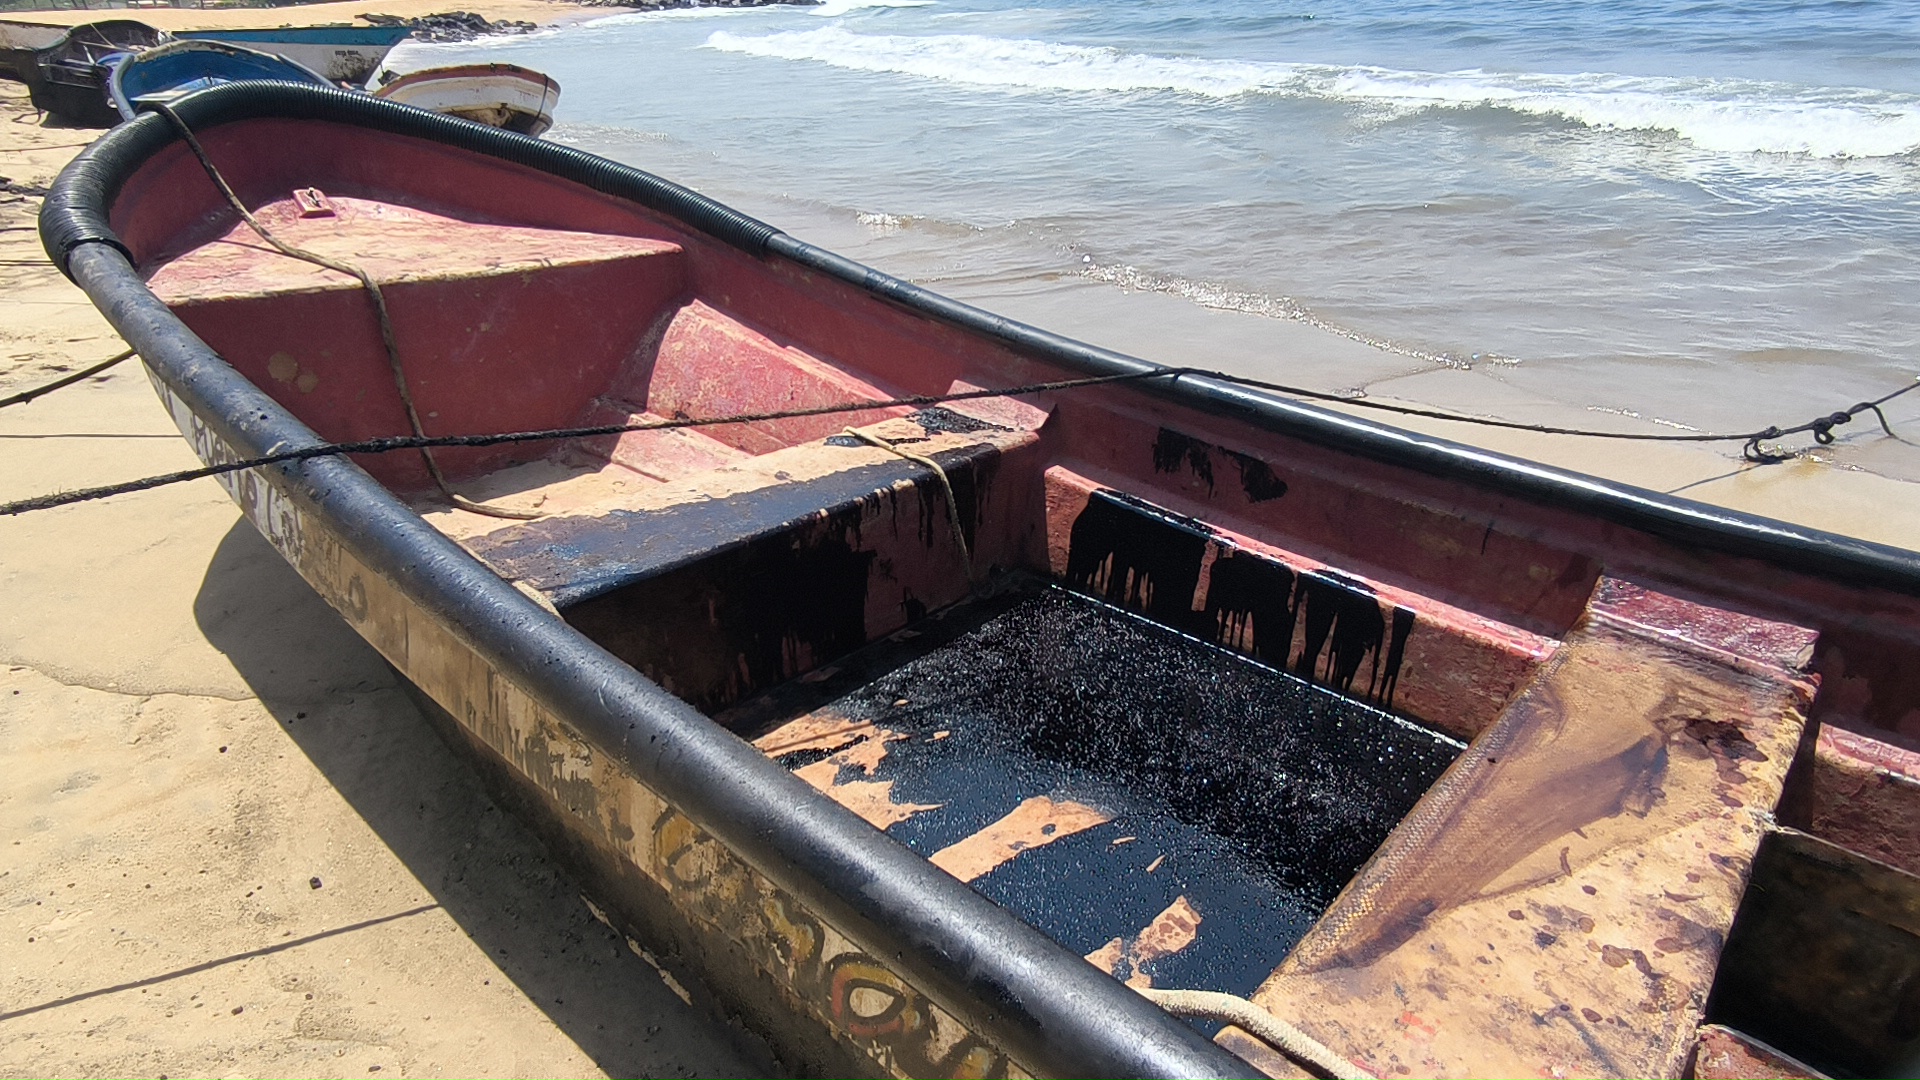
{"x":392,"y":443}
{"x":946,"y":485}
{"x":25,"y":396}
{"x":1297,"y":1045}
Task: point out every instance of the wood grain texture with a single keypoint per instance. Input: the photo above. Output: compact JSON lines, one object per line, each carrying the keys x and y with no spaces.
{"x":1034,"y":823}
{"x":1557,"y":903}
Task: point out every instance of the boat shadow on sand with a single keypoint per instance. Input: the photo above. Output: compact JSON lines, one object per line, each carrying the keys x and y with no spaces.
{"x":343,"y":706}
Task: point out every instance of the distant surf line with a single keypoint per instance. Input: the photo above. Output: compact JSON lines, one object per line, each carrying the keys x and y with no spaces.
{"x":1724,"y":115}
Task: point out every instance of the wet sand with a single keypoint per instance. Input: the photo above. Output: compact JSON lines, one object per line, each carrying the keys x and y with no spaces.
{"x":1815,"y":490}
{"x":230,"y":846}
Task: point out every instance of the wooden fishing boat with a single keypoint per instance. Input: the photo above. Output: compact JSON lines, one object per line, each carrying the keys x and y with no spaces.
{"x":69,"y":78}
{"x":341,"y":52}
{"x":172,"y":71}
{"x":498,"y":95}
{"x":946,"y":739}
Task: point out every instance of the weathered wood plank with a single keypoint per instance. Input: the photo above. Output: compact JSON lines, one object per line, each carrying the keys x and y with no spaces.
{"x":1557,"y":903}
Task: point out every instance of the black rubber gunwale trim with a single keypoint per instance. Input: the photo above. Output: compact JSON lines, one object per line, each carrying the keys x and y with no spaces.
{"x":1050,"y":1010}
{"x":75,"y":213}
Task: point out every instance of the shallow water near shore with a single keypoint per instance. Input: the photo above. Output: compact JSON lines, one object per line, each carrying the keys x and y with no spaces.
{"x":1651,"y":215}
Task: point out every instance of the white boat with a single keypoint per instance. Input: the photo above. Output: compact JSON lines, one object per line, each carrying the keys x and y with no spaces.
{"x":498,"y":95}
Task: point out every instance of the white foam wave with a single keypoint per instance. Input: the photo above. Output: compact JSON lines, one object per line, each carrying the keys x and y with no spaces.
{"x":1721,"y":115}
{"x":1006,"y":62}
{"x":662,"y":14}
{"x":834,"y":8}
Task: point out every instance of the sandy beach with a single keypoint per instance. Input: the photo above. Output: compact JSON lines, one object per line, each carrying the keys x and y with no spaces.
{"x":231,"y":844}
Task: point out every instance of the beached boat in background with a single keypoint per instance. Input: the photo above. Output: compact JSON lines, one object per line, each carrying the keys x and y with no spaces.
{"x":21,"y":44}
{"x":344,"y":53}
{"x":934,"y":738}
{"x":168,"y":72}
{"x":498,"y":95}
{"x":70,"y":77}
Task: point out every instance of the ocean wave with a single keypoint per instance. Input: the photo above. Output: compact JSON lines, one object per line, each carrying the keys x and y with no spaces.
{"x":667,"y":14}
{"x":1713,"y":114}
{"x":1005,"y":62}
{"x":833,"y":8}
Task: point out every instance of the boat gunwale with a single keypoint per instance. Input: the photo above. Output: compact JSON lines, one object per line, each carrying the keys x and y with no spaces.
{"x":477,"y":69}
{"x":76,"y":212}
{"x":1042,"y":1004}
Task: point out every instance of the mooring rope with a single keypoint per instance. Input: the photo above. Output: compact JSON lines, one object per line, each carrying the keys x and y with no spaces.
{"x":25,"y":396}
{"x":379,"y":309}
{"x":1821,"y":427}
{"x":391,"y":443}
{"x":1268,"y":1028}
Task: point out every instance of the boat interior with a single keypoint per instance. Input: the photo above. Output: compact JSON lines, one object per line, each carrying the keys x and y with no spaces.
{"x":1447,"y":778}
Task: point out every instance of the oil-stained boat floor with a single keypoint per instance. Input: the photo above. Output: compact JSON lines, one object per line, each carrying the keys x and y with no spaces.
{"x":1247,"y":793}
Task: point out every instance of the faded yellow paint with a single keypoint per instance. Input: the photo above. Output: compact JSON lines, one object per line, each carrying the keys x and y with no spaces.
{"x":814,"y":731}
{"x":1170,"y":931}
{"x":871,"y":799}
{"x":1107,"y":957}
{"x":1175,"y":928}
{"x":1034,"y":823}
{"x":858,"y":745}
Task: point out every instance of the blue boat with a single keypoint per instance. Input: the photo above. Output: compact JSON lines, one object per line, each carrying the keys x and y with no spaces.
{"x":182,"y":67}
{"x":343,"y":53}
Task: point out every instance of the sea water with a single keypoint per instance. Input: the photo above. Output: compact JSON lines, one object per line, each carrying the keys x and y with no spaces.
{"x":1689,"y":213}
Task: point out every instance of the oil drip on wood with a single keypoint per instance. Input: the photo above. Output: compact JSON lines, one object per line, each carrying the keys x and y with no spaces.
{"x":1143,"y":558}
{"x":745,"y":619}
{"x":1171,"y":450}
